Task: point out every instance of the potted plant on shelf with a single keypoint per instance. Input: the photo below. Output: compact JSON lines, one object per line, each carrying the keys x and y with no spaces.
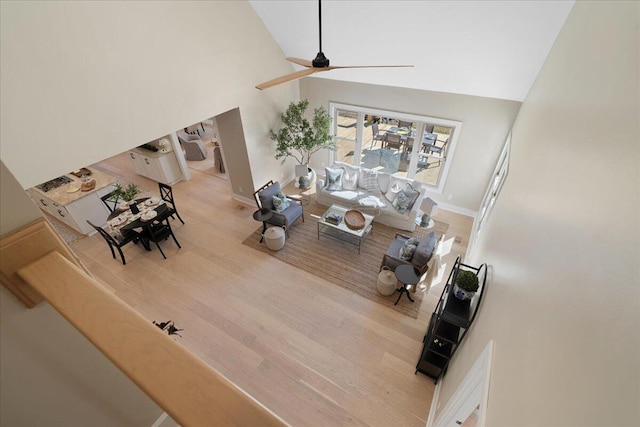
{"x":465,"y":285}
{"x":300,"y":139}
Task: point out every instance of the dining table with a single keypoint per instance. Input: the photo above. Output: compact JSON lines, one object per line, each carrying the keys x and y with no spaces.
{"x":428,"y":139}
{"x":123,"y":217}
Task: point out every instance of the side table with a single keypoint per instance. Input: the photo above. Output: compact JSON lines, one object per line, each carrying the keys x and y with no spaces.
{"x":263,"y":215}
{"x":407,"y":276}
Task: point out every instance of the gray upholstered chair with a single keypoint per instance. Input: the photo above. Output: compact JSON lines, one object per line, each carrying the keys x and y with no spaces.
{"x":264,"y":200}
{"x":194,"y":148}
{"x":425,"y":249}
{"x":217,"y":156}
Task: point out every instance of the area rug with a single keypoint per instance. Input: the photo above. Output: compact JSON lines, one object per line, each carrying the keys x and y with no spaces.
{"x":339,"y":262}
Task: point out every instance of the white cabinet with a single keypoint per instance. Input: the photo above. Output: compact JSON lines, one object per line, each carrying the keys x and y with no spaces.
{"x":91,"y":208}
{"x":160,"y":167}
{"x":52,"y":208}
{"x":76,"y":213}
{"x":137,"y":162}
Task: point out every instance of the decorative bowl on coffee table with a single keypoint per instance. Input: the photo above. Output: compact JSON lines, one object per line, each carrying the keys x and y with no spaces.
{"x":354,"y":219}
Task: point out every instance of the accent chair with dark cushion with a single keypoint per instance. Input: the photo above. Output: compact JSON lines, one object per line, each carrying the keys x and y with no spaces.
{"x":264,"y":199}
{"x":420,"y":258}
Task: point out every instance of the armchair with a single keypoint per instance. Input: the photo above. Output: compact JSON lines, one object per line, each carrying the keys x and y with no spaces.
{"x":425,"y":249}
{"x":193,"y":146}
{"x":286,"y":218}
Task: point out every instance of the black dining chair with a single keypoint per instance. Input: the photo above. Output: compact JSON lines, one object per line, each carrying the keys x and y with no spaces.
{"x":127,"y":236}
{"x":109,"y":201}
{"x":166,"y":194}
{"x":158,"y":231}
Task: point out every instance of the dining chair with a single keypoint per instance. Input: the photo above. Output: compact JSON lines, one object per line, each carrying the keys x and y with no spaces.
{"x":376,"y":136}
{"x":166,"y":194}
{"x":403,"y":124}
{"x":118,"y":243}
{"x":157,"y":231}
{"x":392,"y":141}
{"x":109,"y":201}
{"x":440,"y":151}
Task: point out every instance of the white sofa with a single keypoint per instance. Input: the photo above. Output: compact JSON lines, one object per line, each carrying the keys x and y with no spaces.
{"x":376,"y":201}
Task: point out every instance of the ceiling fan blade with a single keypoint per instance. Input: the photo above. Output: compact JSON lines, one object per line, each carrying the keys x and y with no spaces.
{"x":335,"y":67}
{"x":289,"y":77}
{"x":302,"y":62}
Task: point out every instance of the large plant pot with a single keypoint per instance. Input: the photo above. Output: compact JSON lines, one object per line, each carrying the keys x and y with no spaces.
{"x":462,"y":294}
{"x":306,"y":182}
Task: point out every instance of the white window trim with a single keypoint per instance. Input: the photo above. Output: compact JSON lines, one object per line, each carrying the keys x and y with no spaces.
{"x":491,"y":195}
{"x":452,"y":143}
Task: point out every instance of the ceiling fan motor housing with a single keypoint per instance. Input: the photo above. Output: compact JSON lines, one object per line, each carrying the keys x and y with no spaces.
{"x":320,"y":61}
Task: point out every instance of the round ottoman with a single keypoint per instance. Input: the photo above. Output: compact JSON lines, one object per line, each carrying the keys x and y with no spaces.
{"x":274,"y":238}
{"x":387,"y":281}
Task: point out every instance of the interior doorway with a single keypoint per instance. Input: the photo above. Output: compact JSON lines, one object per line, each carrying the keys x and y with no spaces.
{"x":213,"y":162}
{"x":468,"y":405}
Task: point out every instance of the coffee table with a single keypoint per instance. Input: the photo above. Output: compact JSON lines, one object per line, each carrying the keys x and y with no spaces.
{"x":341,"y":231}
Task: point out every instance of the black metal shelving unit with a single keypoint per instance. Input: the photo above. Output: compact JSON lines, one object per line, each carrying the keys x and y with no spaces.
{"x":449,"y":323}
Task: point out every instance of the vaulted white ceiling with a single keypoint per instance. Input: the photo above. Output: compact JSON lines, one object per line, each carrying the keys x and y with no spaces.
{"x":485,"y":48}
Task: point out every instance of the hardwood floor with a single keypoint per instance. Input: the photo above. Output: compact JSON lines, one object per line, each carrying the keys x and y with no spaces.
{"x":312,"y":352}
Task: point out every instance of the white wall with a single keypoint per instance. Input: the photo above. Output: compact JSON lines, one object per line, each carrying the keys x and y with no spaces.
{"x":83,"y":81}
{"x":485,"y":125}
{"x":563,"y":241}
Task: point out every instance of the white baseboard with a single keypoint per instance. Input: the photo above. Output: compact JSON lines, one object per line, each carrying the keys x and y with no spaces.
{"x":434,"y":405}
{"x":243,"y":199}
{"x":457,"y":209}
{"x":164,"y":420}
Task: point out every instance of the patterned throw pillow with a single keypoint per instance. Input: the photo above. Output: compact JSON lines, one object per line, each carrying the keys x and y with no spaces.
{"x":334,"y":178}
{"x":408,"y":249}
{"x":281,"y":202}
{"x":368,"y":180}
{"x":405,"y":199}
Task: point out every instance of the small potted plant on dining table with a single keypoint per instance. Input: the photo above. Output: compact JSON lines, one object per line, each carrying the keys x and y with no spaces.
{"x":127,"y":194}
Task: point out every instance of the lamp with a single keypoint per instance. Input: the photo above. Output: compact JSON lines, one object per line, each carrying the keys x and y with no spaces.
{"x":164,"y":145}
{"x":430,"y":209}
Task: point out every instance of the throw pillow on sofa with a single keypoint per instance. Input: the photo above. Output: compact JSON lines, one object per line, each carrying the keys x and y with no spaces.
{"x":408,"y":248}
{"x":334,"y":178}
{"x":392,"y":193}
{"x":368,"y":180}
{"x":349,"y":180}
{"x":405,"y":199}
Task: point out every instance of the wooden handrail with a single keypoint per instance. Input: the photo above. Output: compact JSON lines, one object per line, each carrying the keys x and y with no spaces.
{"x":189,"y":390}
{"x":23,"y":246}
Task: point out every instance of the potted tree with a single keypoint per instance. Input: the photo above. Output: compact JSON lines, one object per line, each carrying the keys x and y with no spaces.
{"x":465,"y":285}
{"x":300,"y":139}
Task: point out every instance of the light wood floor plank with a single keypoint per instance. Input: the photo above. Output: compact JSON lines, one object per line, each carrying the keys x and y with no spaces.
{"x":311,"y":351}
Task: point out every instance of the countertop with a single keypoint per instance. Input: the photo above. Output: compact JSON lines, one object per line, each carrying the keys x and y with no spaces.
{"x":62,"y":197}
{"x":149,"y":153}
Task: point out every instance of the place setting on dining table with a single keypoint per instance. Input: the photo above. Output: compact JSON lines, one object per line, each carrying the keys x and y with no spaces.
{"x":141,"y":212}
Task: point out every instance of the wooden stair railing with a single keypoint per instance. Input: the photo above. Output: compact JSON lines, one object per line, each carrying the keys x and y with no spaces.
{"x":185,"y":387}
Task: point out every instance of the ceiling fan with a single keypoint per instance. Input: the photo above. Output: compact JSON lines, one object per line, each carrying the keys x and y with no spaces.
{"x":319,"y":64}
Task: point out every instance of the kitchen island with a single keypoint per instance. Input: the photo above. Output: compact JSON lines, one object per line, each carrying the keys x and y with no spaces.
{"x":71,"y":207}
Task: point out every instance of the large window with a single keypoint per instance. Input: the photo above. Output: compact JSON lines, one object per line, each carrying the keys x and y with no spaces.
{"x":417,"y":147}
